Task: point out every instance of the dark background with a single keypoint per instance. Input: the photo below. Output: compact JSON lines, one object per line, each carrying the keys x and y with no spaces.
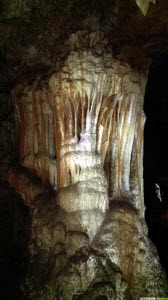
{"x":156,"y":156}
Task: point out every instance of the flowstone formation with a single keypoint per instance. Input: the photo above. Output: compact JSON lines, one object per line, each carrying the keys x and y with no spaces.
{"x":80,"y":143}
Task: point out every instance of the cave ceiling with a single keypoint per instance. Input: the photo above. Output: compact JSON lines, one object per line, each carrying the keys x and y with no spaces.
{"x":32,"y":33}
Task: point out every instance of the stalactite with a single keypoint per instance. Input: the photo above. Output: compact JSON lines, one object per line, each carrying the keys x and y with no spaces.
{"x":81,"y":130}
{"x":144,"y":5}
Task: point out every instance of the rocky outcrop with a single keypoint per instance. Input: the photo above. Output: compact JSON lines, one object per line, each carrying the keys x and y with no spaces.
{"x":33,"y":32}
{"x":80,"y":130}
{"x":120,"y":262}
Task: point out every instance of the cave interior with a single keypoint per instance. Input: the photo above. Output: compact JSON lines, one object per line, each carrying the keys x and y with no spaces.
{"x":25,"y":53}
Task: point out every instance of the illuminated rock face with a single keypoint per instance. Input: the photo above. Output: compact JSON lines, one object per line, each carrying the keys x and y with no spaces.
{"x":90,"y":117}
{"x":144,"y":5}
{"x":98,"y":105}
{"x":81,"y":130}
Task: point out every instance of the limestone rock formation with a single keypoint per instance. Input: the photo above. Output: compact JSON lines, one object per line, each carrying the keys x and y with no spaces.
{"x":80,"y":133}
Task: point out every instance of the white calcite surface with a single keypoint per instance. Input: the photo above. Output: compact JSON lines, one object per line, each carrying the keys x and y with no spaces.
{"x":81,"y":128}
{"x":98,"y":105}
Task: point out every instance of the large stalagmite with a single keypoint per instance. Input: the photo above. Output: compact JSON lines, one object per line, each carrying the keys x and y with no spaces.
{"x":80,"y":133}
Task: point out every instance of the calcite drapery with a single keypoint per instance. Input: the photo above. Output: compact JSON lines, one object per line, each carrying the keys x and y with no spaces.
{"x":98,"y":105}
{"x":81,"y":129}
{"x":90,"y":117}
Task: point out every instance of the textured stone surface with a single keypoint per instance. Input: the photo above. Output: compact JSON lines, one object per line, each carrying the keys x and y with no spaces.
{"x":119,"y":263}
{"x":26,"y":183}
{"x":87,"y":112}
{"x":80,"y":132}
{"x":124,"y":240}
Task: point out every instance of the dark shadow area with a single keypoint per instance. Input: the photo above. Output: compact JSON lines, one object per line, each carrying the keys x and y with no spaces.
{"x":14,"y":232}
{"x":156,"y":157}
{"x":101,"y":298}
